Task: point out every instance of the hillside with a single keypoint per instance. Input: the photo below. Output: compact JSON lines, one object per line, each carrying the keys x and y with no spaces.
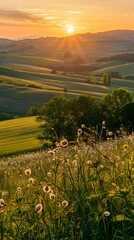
{"x":34,"y":70}
{"x":90,"y":46}
{"x":19,"y":135}
{"x":22,"y":86}
{"x":125,"y":69}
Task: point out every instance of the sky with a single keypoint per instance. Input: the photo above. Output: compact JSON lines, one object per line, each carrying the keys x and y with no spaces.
{"x":23,"y":18}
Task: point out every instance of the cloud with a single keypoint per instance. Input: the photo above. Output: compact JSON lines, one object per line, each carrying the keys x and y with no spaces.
{"x":29,"y":18}
{"x":73,"y":12}
{"x":20,"y":16}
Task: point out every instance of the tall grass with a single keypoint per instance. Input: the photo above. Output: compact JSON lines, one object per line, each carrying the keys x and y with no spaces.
{"x":79,"y":192}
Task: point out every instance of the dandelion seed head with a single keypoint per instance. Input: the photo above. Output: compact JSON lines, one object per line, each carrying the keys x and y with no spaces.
{"x":28,"y":171}
{"x":31,"y":180}
{"x":18,"y":189}
{"x":49,"y":174}
{"x":46,"y":189}
{"x":2,"y":202}
{"x":51,"y":153}
{"x":89,"y":162}
{"x":64,"y":143}
{"x":52,"y":196}
{"x":106,"y":214}
{"x":65,"y":203}
{"x":101,"y":166}
{"x":79,"y":132}
{"x":82,"y":125}
{"x":38,"y":208}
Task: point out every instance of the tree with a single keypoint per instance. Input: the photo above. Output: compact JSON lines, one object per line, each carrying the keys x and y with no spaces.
{"x":33,"y":111}
{"x":106,"y":79}
{"x":127,"y":116}
{"x":55,"y":116}
{"x":61,"y":117}
{"x":84,"y":110}
{"x":111,"y":104}
{"x":68,"y":57}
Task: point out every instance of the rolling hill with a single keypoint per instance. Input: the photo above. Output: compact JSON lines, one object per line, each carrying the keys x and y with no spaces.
{"x":89,"y":45}
{"x":19,"y":135}
{"x":34,"y":70}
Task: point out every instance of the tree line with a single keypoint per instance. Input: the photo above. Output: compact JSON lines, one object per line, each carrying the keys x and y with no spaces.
{"x":61,"y":117}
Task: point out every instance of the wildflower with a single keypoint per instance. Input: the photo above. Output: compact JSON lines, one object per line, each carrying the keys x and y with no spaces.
{"x":38,"y":208}
{"x":82,"y":125}
{"x":31,"y":180}
{"x":64,"y":203}
{"x":64,"y":143}
{"x":28,"y":171}
{"x":110,"y":134}
{"x":74,"y":162}
{"x":89,"y":162}
{"x":49,"y":174}
{"x":2,"y":202}
{"x":18,"y":189}
{"x":125,"y":146}
{"x":101,"y":166}
{"x":51,"y":153}
{"x":103,"y":123}
{"x":79,"y":132}
{"x":46,"y":189}
{"x":21,"y":176}
{"x":52,"y":196}
{"x":106,"y":214}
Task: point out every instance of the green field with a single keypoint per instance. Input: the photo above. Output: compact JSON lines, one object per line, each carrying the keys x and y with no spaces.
{"x":124,"y":69}
{"x":19,"y":135}
{"x":23,"y":82}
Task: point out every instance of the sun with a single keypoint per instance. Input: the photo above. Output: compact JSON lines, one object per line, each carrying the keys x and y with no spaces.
{"x":70,"y":29}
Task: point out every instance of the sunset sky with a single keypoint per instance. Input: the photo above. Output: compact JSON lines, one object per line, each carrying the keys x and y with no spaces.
{"x":22,"y":18}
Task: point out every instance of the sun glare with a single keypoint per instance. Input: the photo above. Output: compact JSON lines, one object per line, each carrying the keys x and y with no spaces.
{"x":70,"y":29}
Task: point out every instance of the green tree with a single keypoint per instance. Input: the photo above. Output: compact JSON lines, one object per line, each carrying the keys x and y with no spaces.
{"x":127,"y":116}
{"x":106,"y":79}
{"x":111,"y":103}
{"x":84,"y":110}
{"x":33,"y":111}
{"x":55,"y":116}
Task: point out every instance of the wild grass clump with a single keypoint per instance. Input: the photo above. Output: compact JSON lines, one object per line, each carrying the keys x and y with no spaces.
{"x":77,"y":192}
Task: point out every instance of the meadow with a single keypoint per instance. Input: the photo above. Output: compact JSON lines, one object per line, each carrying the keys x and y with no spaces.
{"x":72,"y":192}
{"x":19,"y":135}
{"x":76,"y":191}
{"x":23,"y":83}
{"x":123,"y":68}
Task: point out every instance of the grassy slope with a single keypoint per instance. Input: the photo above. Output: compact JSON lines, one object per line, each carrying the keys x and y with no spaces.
{"x":23,"y":85}
{"x":19,"y":135}
{"x":30,"y":60}
{"x":123,"y":69}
